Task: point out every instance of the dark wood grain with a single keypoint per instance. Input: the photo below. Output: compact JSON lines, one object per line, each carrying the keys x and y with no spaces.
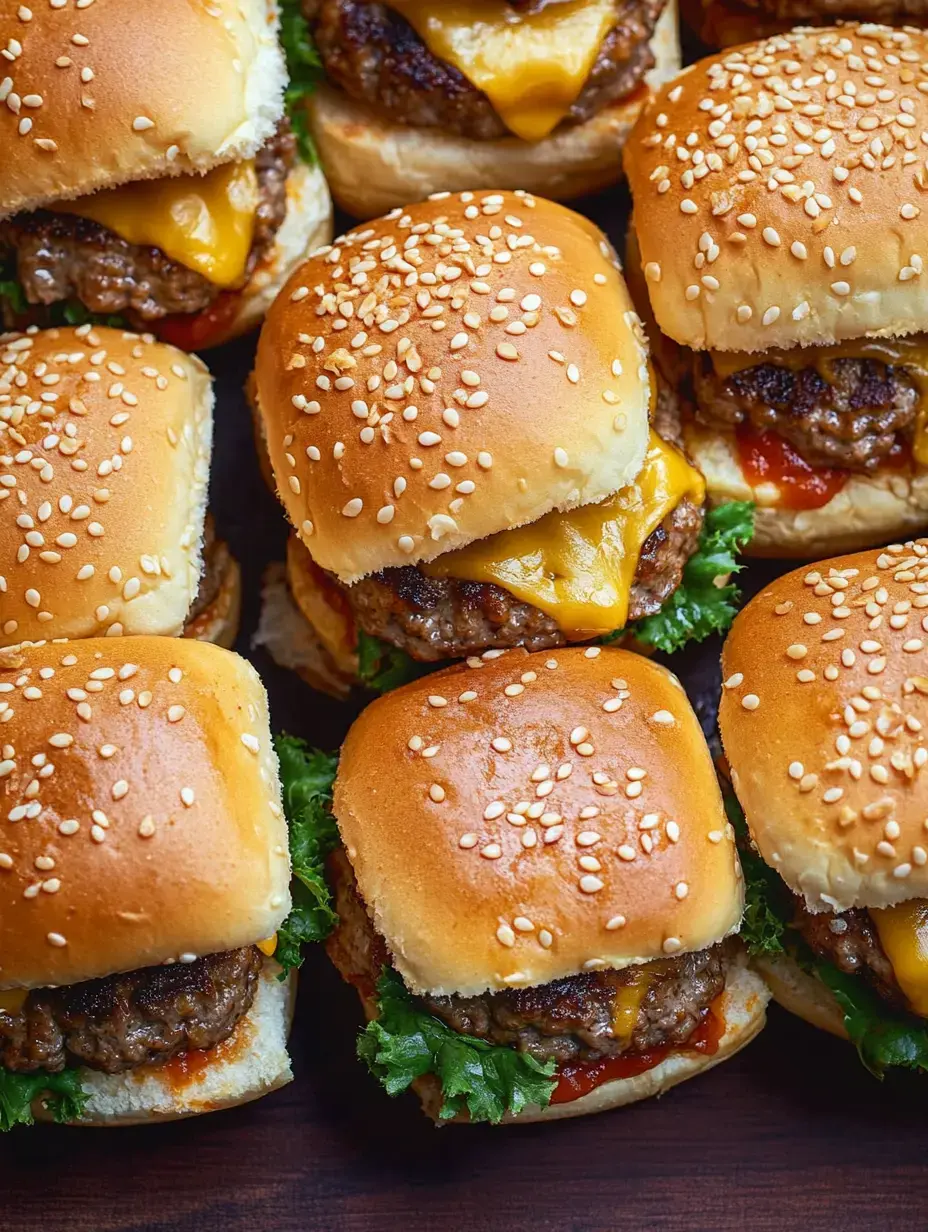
{"x":791,"y":1134}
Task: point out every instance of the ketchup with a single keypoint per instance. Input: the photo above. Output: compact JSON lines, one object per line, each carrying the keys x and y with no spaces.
{"x":188,"y":1067}
{"x":192,"y":331}
{"x":578,"y":1078}
{"x":766,"y":457}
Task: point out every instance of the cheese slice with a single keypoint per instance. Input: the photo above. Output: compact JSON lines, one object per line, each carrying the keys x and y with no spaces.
{"x":627,"y":1004}
{"x":206,"y":223}
{"x":531,"y":66}
{"x":910,"y":353}
{"x":903,"y":933}
{"x":13,"y":1000}
{"x":269,"y":945}
{"x":578,"y":566}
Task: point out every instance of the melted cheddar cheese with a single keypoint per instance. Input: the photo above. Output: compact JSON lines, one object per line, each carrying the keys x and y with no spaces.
{"x":578,"y":566}
{"x":903,"y":933}
{"x":268,"y":946}
{"x":531,"y":66}
{"x":627,"y":1003}
{"x":206,"y":223}
{"x":910,"y":353}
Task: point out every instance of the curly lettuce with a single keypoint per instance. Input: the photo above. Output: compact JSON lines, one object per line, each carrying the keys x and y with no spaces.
{"x":304,"y":70}
{"x":62,"y":1093}
{"x":487,"y":1081}
{"x":382,"y":667}
{"x":307,"y":776}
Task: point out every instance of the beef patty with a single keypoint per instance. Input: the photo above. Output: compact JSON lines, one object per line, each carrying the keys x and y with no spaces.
{"x":63,"y":256}
{"x":448,"y":618}
{"x":375,"y":55}
{"x":124,"y":1021}
{"x":825,"y":12}
{"x":852,"y":420}
{"x":216,"y":557}
{"x":567,"y":1020}
{"x":851,"y":943}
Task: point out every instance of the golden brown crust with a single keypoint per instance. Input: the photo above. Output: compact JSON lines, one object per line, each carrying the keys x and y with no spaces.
{"x":823,"y":718}
{"x":173,"y":86}
{"x":802,"y":994}
{"x":164,"y":793}
{"x":105,"y":488}
{"x":775,"y":245}
{"x":393,"y":441}
{"x":586,"y":771}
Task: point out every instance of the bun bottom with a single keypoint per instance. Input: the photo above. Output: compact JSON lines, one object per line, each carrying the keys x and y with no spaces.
{"x":252,"y":1063}
{"x":294,"y":643}
{"x":375,"y":164}
{"x":307,"y":225}
{"x":870,"y":510}
{"x":743,"y":1006}
{"x":219,"y":622}
{"x":802,"y":994}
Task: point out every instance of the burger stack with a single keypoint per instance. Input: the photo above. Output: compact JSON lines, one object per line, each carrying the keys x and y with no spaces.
{"x":503,"y":499}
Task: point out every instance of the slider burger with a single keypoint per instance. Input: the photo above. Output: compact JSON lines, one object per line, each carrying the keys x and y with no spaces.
{"x":722,"y":23}
{"x":781,"y":230}
{"x":104,"y":467}
{"x":429,"y":95}
{"x":149,"y":170}
{"x":143,"y":873}
{"x":455,"y":402}
{"x":537,"y":888}
{"x":824,"y":716}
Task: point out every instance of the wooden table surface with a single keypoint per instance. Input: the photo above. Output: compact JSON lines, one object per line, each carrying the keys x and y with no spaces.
{"x":790,"y":1134}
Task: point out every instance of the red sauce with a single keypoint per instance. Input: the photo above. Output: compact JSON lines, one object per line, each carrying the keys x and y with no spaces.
{"x":188,"y":1067}
{"x":766,"y":457}
{"x":578,"y":1078}
{"x":192,"y":331}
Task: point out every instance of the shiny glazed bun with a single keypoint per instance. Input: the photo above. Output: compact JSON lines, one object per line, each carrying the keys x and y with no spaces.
{"x":569,"y":820}
{"x":823,"y":718}
{"x":460,"y":367}
{"x":104,"y":468}
{"x":375,"y":164}
{"x":159,"y":832}
{"x":105,"y":96}
{"x":795,"y":214}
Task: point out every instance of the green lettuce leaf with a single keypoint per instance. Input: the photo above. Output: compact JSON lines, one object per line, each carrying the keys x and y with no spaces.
{"x":382,"y":667}
{"x":304,"y":69}
{"x":699,"y":606}
{"x":73,"y":312}
{"x":306,"y":776}
{"x":12,"y":295}
{"x":882,"y":1036}
{"x":405,"y":1042}
{"x":766,"y":899}
{"x":64,"y":1096}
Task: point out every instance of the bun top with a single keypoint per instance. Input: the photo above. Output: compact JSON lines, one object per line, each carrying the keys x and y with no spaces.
{"x":525,"y":817}
{"x":779,"y":191}
{"x":104,"y":467}
{"x":103,"y":93}
{"x":460,"y":367}
{"x":141,"y":808}
{"x":824,"y":716}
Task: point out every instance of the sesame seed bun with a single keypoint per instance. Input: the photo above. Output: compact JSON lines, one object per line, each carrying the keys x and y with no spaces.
{"x":374,"y":164}
{"x":470,"y":894}
{"x":822,"y":717}
{"x":174,"y":86}
{"x":832,"y":254}
{"x":307,"y":224}
{"x":393,"y":441}
{"x":250,"y":1064}
{"x":160,"y":832}
{"x":104,"y":489}
{"x":889,"y":504}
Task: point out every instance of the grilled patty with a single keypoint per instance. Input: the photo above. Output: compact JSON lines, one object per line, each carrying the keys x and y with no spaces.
{"x":824,"y":12}
{"x":447,"y":618}
{"x":567,"y":1020}
{"x":63,"y":256}
{"x":373,"y":54}
{"x":852,"y":420}
{"x":216,"y":558}
{"x":850,"y":941}
{"x":124,"y":1021}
